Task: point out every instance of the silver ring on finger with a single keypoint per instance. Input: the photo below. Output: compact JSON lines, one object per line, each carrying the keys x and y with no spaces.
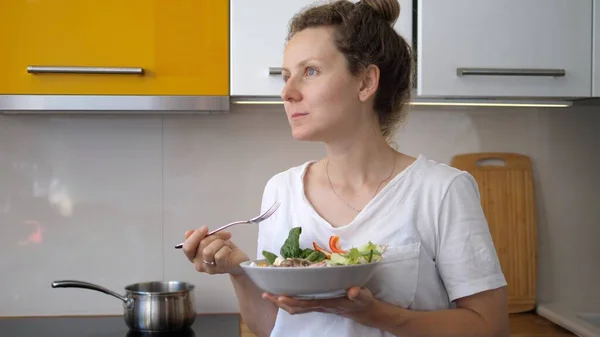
{"x":210,"y":263}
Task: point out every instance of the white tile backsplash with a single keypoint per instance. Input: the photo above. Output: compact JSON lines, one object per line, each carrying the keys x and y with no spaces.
{"x":82,"y":199}
{"x":104,"y":199}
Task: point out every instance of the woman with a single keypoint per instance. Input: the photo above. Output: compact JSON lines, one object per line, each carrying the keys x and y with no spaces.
{"x":347,"y":78}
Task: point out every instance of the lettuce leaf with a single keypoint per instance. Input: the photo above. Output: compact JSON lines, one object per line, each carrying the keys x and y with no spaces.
{"x":291,"y":246}
{"x":269,"y":256}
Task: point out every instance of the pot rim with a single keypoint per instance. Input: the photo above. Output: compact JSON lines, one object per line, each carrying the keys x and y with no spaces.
{"x":189,"y":287}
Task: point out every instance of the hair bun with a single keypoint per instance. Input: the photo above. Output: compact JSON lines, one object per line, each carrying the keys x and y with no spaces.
{"x":389,"y":10}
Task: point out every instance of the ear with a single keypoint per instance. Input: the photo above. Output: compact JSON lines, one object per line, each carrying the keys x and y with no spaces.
{"x":369,"y":83}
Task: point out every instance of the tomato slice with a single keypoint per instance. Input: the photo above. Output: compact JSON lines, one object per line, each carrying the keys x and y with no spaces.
{"x":334,"y":242}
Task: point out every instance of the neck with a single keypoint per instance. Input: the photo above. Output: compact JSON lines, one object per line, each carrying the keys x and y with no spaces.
{"x":361,"y":159}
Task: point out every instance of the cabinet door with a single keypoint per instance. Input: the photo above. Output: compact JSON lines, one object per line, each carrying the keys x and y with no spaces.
{"x":258,"y":31}
{"x":504,"y":48}
{"x":181,"y":46}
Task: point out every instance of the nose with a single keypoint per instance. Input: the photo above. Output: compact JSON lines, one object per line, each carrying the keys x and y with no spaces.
{"x":290,"y":91}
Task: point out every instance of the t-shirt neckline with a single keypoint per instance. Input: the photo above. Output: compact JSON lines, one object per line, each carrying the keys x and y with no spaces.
{"x":368,"y":207}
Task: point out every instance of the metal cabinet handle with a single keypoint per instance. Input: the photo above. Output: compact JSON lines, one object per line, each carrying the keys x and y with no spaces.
{"x":275,"y":71}
{"x":510,"y":72}
{"x":84,"y":70}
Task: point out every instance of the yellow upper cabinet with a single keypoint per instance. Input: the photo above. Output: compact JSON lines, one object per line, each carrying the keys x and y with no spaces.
{"x":181,"y":47}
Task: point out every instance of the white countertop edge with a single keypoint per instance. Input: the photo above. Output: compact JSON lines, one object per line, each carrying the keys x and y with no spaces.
{"x":565,"y":315}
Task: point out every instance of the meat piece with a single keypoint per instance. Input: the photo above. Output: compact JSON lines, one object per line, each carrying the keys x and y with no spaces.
{"x":295,"y":262}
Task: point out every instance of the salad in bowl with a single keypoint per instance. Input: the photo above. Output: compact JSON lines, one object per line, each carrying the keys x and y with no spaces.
{"x":314,"y":272}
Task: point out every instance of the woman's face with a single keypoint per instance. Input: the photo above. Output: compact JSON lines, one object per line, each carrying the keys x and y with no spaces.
{"x":322,"y":100}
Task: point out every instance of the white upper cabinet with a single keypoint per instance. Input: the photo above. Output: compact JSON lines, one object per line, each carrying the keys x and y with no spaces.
{"x":257,"y":38}
{"x":478,"y":48}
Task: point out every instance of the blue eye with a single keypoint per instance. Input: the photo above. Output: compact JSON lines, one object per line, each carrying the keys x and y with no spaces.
{"x":311,"y":71}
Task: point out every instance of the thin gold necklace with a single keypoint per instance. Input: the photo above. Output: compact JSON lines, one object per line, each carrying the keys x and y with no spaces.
{"x":374,"y":194}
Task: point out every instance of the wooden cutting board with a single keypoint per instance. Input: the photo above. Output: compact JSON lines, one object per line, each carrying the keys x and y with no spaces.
{"x":506,"y":185}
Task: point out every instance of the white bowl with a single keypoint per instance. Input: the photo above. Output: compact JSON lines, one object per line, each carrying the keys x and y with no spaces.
{"x":309,"y":282}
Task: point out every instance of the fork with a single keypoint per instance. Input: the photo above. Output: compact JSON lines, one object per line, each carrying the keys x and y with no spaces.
{"x":255,"y":220}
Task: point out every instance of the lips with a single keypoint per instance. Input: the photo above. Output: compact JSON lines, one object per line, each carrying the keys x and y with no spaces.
{"x":299,"y":114}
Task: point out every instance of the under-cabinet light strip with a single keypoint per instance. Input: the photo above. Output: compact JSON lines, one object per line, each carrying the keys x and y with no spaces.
{"x":458,"y":103}
{"x":495,"y":104}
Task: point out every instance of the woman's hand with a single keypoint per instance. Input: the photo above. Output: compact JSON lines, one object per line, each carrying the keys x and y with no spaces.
{"x":359,"y":305}
{"x":214,"y":254}
{"x":481,"y":314}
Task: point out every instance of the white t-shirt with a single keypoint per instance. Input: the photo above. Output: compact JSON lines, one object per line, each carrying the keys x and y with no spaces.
{"x":429,"y":215}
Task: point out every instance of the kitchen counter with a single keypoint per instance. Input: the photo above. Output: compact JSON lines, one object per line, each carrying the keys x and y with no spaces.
{"x":222,"y":325}
{"x":521,"y":325}
{"x":581,"y":318}
{"x":533,"y":325}
{"x":217,"y":325}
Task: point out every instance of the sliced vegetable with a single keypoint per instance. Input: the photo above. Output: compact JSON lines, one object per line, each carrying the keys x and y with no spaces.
{"x":269,"y":256}
{"x":357,"y":256}
{"x":366,"y":249}
{"x":316,"y":256}
{"x":322,"y":250}
{"x":306,"y":252}
{"x":334,"y":242}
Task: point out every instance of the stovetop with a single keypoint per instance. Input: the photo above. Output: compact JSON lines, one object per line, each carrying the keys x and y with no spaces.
{"x":221,"y":325}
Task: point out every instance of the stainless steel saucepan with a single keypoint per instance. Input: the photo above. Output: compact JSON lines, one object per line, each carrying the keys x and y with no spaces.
{"x":150,"y":306}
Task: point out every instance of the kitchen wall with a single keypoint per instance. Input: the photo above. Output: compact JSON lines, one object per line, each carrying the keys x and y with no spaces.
{"x":104,"y":198}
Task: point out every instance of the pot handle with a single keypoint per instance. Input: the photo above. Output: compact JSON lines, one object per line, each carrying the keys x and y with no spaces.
{"x":91,"y":286}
